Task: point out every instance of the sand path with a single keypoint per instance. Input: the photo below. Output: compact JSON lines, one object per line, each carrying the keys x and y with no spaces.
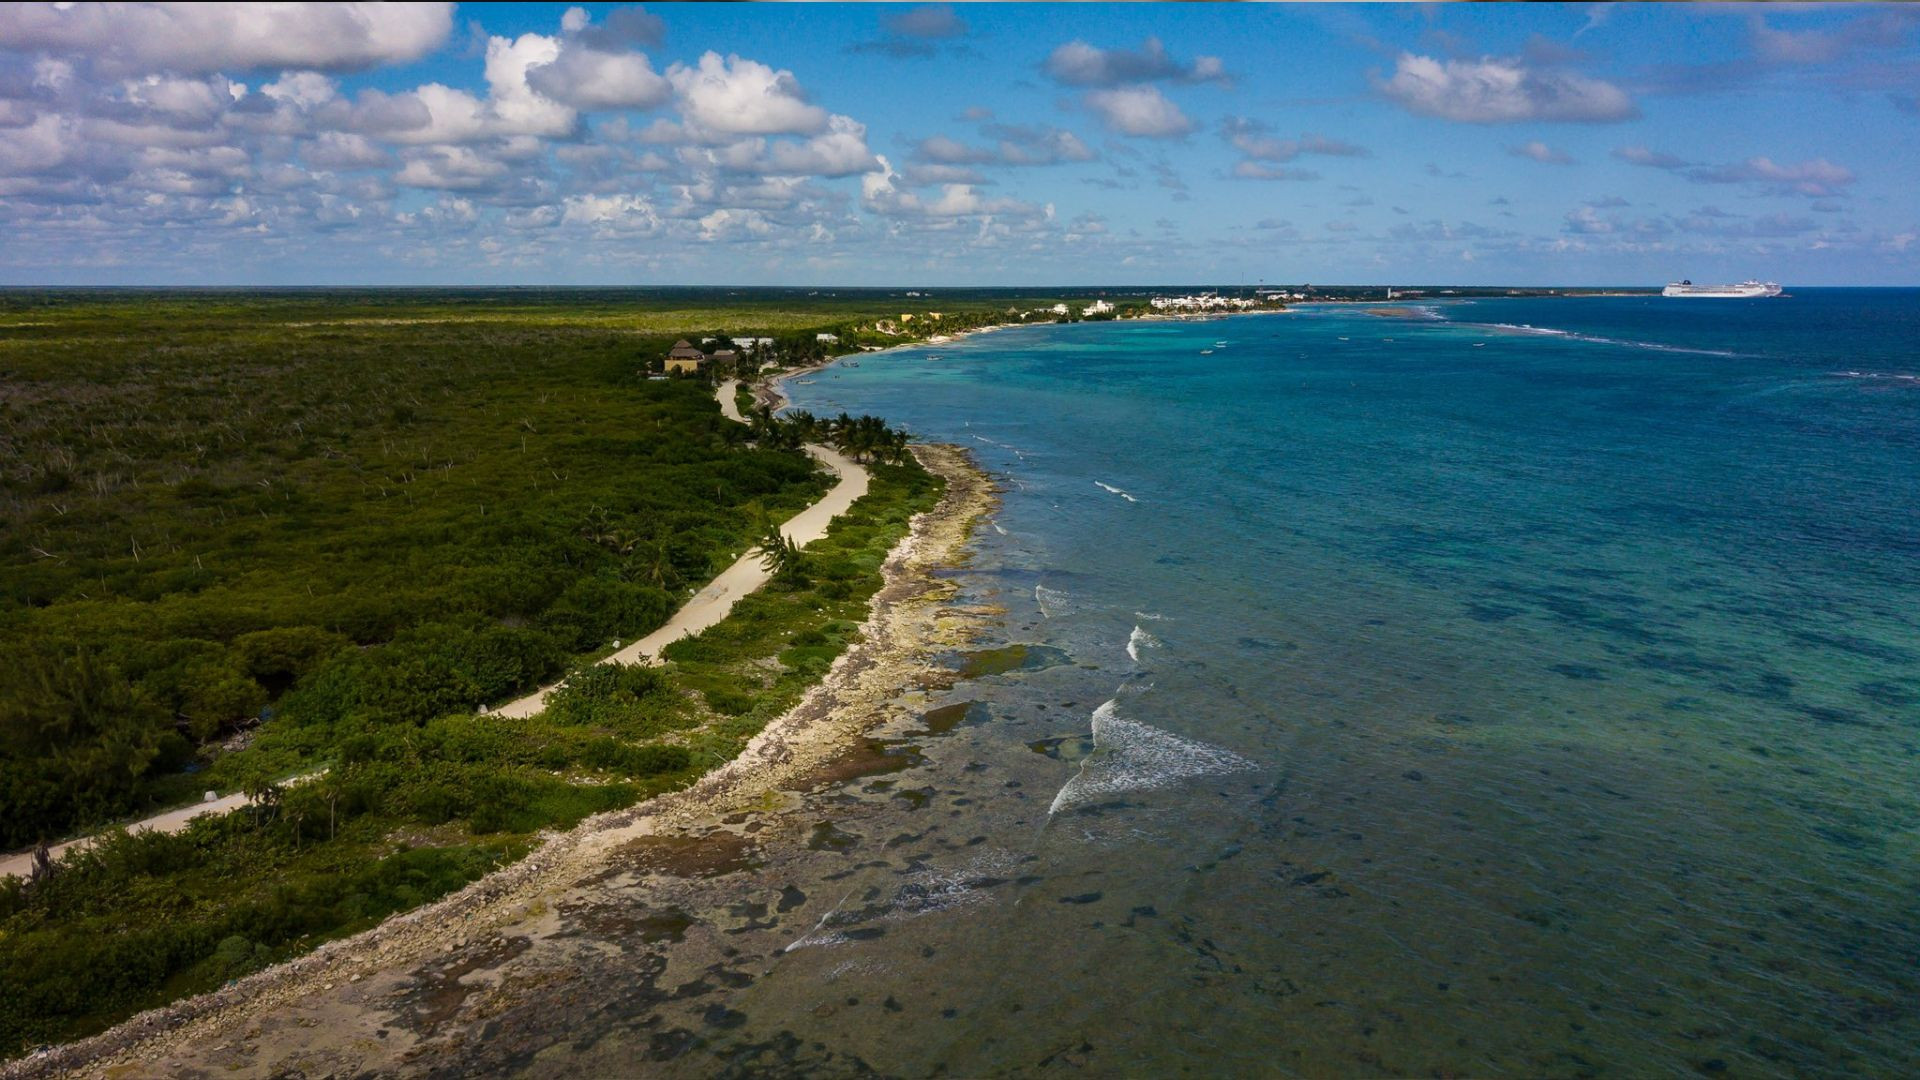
{"x":707,"y":607}
{"x":711,"y":604}
{"x":20,"y":864}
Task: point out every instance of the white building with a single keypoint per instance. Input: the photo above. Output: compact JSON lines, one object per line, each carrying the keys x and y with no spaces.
{"x":1098,"y":307}
{"x":1059,"y":309}
{"x":1203,"y":302}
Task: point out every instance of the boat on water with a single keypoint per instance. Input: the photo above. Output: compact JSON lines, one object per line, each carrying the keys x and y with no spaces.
{"x":1746,"y":290}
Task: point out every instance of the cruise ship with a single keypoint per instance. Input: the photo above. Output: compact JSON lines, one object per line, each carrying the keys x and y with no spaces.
{"x":1745,"y":290}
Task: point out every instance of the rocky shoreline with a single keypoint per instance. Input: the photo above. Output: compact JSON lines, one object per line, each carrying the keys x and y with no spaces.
{"x":365,"y":1004}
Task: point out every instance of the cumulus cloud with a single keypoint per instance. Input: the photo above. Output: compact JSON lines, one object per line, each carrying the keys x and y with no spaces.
{"x":301,"y":89}
{"x":915,"y":34}
{"x":929,"y":21}
{"x":841,"y":150}
{"x":1540,"y":152}
{"x":737,"y":96}
{"x":1254,"y":138}
{"x":39,"y":147}
{"x":449,"y":168}
{"x":1139,"y":110}
{"x":1503,"y":90}
{"x":1254,"y":170}
{"x":1814,"y":178}
{"x":344,"y":150}
{"x":623,"y":28}
{"x":1079,"y":64}
{"x":1014,"y":145}
{"x":587,"y":78}
{"x":203,"y":38}
{"x":436,"y":114}
{"x":1818,"y":177}
{"x":881,"y":193}
{"x":624,"y":212}
{"x":1640,"y":155}
{"x":1880,"y":30}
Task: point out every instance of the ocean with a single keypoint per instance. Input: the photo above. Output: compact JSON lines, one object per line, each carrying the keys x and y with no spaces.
{"x":1502,"y":688}
{"x":1514,"y":687}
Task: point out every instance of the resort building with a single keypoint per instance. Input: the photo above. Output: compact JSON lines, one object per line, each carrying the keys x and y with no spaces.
{"x":1098,"y":307}
{"x":684,"y":358}
{"x":1203,"y":302}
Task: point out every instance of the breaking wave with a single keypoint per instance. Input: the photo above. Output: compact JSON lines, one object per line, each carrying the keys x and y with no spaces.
{"x":1138,"y":640}
{"x":1131,"y":756}
{"x":1054,"y":603}
{"x":1596,"y":339}
{"x":1109,"y":487}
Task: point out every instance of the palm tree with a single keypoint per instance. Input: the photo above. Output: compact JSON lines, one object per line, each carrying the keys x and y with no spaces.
{"x":779,"y":554}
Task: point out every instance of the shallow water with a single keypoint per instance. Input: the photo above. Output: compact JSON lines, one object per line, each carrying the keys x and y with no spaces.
{"x":1483,"y":701}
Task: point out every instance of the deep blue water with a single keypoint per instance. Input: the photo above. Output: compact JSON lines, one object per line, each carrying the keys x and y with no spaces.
{"x":1524,"y":687}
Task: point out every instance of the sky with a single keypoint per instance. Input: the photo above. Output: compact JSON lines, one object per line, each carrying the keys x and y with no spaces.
{"x":971,"y":144}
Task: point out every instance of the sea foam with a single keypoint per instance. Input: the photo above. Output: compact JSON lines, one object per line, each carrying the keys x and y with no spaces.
{"x":1109,"y":487}
{"x":1131,"y":756}
{"x":1138,"y":640}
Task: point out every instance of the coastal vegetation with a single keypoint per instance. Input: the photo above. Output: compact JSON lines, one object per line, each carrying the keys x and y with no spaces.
{"x":292,"y":545}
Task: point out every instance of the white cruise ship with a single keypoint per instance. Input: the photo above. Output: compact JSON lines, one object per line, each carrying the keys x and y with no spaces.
{"x":1745,"y":290}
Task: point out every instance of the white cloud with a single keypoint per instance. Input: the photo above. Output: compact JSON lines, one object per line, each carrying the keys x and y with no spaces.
{"x":1503,"y":90}
{"x":839,"y":151}
{"x":1815,"y":178}
{"x":183,"y":100}
{"x":930,"y":21}
{"x":728,"y":223}
{"x":1139,"y":110}
{"x":39,"y":147}
{"x":344,"y":150}
{"x":450,"y":168}
{"x":880,"y":194}
{"x":439,"y":114}
{"x":203,"y":38}
{"x":587,"y":78}
{"x":626,"y":213}
{"x":1640,"y":155}
{"x":1540,"y":152}
{"x":1252,"y":138}
{"x":1882,"y":29}
{"x":1254,"y":170}
{"x":1015,"y":146}
{"x":301,"y":89}
{"x":737,"y":96}
{"x":1818,"y":177}
{"x":1079,"y":64}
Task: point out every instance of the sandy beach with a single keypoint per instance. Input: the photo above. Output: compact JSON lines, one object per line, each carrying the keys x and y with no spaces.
{"x":425,"y":983}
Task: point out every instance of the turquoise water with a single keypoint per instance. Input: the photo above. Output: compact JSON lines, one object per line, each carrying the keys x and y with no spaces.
{"x":1523,"y":687}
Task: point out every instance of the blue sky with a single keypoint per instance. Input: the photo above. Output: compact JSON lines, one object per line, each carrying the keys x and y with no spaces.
{"x":964,"y":144}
